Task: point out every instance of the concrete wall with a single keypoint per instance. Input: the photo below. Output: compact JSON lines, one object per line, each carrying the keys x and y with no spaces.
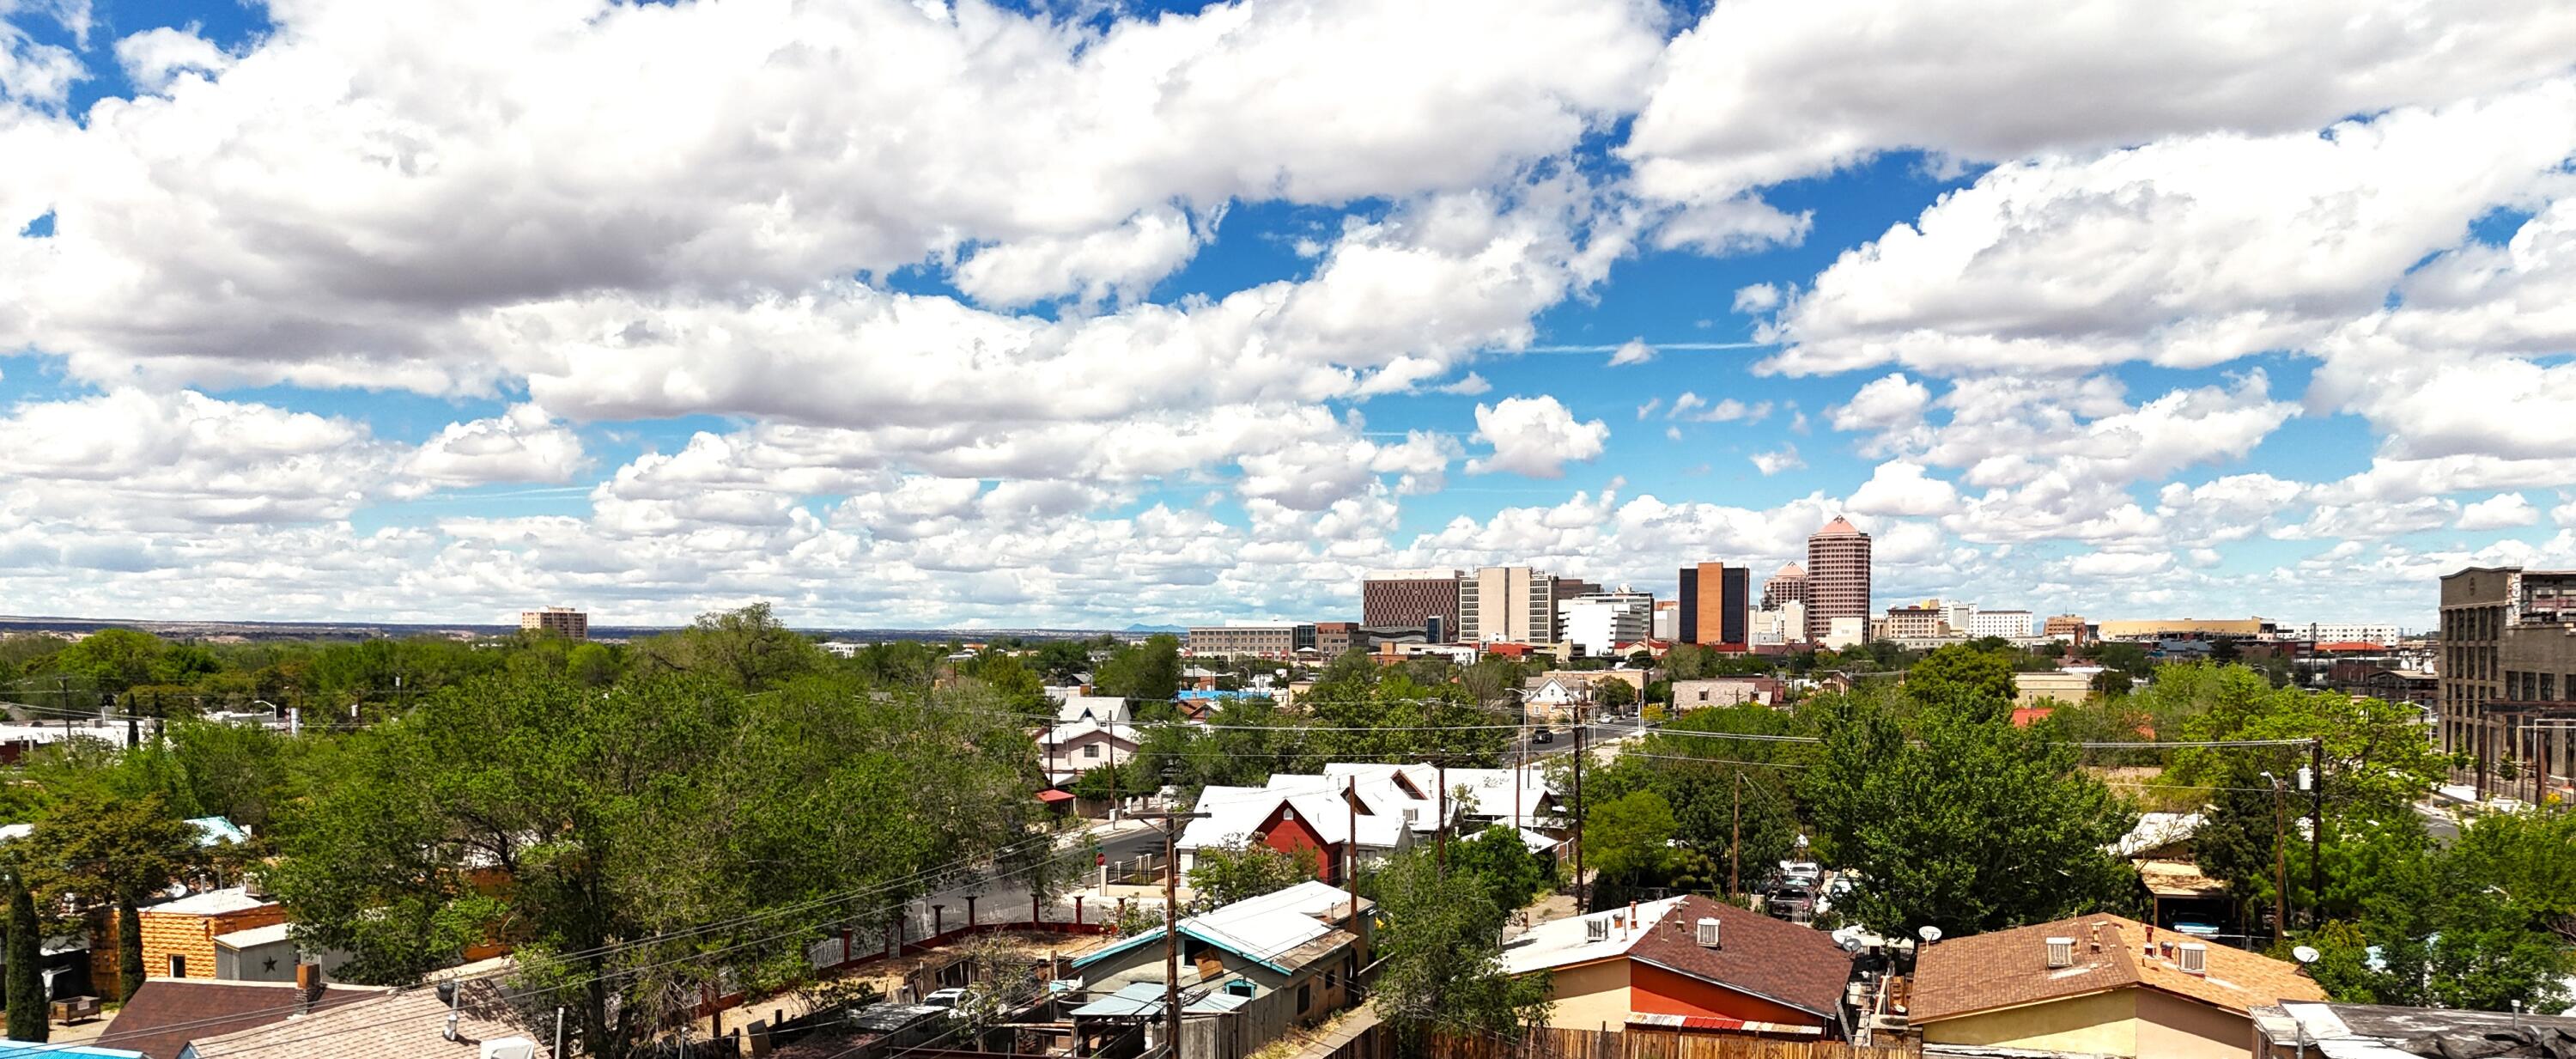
{"x":2099,"y":1024}
{"x":1591,"y":996}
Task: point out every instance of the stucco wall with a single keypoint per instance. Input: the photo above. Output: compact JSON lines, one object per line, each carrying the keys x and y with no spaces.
{"x":1654,"y":989}
{"x":1590,"y":997}
{"x":2171,"y":1025}
{"x":2100,"y":1024}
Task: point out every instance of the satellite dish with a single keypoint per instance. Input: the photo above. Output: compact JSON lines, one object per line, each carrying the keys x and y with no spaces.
{"x":2306,"y":954}
{"x":1929,"y":933}
{"x":1851,"y":944}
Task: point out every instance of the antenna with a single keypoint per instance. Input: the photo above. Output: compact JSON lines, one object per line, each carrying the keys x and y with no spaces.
{"x":2305,"y":954}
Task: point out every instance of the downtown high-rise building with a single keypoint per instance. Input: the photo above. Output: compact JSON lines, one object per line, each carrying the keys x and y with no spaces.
{"x":1411,"y":599}
{"x":1717,"y":601}
{"x":1837,"y":577}
{"x":1787,"y":586}
{"x":1507,"y":604}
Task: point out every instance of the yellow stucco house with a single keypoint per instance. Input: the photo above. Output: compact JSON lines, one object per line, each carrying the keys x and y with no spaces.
{"x":2097,"y":986}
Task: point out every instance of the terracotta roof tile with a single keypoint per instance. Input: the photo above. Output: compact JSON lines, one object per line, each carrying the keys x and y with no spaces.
{"x":2008,"y":968}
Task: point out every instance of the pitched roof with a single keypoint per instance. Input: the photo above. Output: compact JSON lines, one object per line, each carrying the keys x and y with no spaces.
{"x":1791,"y":570}
{"x":1839,"y":527}
{"x":2009,"y":968}
{"x":166,"y":1013}
{"x":399,"y":1025}
{"x":1758,"y":955}
{"x":210,"y":903}
{"x":1284,"y":929}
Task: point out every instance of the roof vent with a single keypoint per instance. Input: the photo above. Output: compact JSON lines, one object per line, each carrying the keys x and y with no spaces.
{"x":2061,"y":952}
{"x":1596,"y":928}
{"x":510,"y":1048}
{"x":2192,"y":957}
{"x":1708,"y":934}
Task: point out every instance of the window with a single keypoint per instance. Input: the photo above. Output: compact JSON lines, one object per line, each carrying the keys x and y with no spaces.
{"x":1305,"y":999}
{"x":178,"y":966}
{"x":1091,"y":750}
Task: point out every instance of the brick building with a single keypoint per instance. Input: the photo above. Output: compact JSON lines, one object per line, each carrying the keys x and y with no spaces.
{"x":2507,"y":686}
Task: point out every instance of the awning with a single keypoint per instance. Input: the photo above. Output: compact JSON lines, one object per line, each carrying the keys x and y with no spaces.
{"x":1051,"y":797}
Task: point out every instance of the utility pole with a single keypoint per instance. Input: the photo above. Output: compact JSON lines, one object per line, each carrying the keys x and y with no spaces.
{"x":1440,"y":775}
{"x":1172,"y":822}
{"x":2280,"y":864}
{"x":2316,"y":831}
{"x":1735,"y":844}
{"x":1582,"y":890}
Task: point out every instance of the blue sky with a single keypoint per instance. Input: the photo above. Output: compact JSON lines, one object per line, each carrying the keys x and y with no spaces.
{"x":906,"y":315}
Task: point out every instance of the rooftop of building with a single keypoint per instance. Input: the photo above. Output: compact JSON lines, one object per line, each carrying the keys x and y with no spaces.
{"x":2009,"y":968}
{"x":210,"y":903}
{"x":1839,"y":527}
{"x":1756,"y":954}
{"x":166,"y":1013}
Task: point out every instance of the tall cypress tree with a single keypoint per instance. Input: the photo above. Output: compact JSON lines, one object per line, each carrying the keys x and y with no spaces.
{"x":26,"y":995}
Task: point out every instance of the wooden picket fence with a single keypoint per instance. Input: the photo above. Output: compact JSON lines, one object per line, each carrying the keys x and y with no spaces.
{"x":1547,"y":1043}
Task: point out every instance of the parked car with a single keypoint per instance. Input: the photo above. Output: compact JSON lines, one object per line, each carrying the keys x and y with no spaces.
{"x":1543,"y":736}
{"x":945,"y":998}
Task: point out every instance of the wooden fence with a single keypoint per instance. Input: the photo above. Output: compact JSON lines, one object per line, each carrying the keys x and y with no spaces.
{"x":1378,"y":1043}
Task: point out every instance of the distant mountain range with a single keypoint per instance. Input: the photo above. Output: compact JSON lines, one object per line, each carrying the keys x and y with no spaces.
{"x":1152,"y":629}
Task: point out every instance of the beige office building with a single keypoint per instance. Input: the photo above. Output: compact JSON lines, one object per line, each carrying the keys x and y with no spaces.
{"x":1507,"y":604}
{"x":2508,"y":673}
{"x":556,"y":621}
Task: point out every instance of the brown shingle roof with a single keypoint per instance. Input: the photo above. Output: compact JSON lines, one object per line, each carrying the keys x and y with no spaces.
{"x":399,"y":1025}
{"x":166,"y":1013}
{"x":2008,"y":968}
{"x":1794,"y":965}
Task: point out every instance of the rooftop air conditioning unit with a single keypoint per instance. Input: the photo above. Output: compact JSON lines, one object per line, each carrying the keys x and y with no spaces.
{"x":1708,"y":933}
{"x":2061,"y":952}
{"x":1596,"y":928}
{"x":510,"y":1048}
{"x":2192,"y":957}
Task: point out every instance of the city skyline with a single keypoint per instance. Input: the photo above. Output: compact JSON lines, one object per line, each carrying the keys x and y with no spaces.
{"x":1163,"y":316}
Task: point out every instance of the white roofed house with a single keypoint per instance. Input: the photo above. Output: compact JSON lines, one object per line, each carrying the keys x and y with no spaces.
{"x":1098,"y":709}
{"x":1066,"y":751}
{"x":1293,"y":951}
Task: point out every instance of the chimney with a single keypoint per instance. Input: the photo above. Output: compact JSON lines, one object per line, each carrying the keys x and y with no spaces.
{"x":308,"y":986}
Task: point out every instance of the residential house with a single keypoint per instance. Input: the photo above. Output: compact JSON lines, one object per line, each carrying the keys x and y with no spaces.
{"x":1552,"y":699}
{"x":1069,"y":750}
{"x":2181,"y":896}
{"x":1302,"y":944}
{"x":166,"y":1013}
{"x":404,"y":1024}
{"x":1728,"y":691}
{"x":1097,"y":709}
{"x":2096,"y":985}
{"x":179,"y":936}
{"x":1314,"y":824}
{"x":1687,"y":956}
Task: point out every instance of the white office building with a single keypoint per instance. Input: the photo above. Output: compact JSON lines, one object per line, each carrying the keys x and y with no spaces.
{"x":1596,"y":624}
{"x":2009,"y":624}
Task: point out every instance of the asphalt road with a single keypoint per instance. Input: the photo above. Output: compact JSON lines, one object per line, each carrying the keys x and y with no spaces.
{"x":1593,"y":734}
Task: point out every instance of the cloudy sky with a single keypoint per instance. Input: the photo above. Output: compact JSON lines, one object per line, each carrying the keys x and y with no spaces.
{"x":903,"y":314}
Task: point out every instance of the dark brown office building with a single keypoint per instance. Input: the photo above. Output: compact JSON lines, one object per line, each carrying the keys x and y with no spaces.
{"x":1411,"y":599}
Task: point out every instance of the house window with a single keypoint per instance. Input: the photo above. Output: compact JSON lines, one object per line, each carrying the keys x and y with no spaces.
{"x":1091,"y":750}
{"x":1240,"y":987}
{"x":178,"y":966}
{"x":1305,"y":998}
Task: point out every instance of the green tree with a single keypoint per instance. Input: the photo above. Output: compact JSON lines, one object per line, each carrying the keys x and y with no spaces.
{"x":1499,"y":861}
{"x":237,"y":771}
{"x":1630,"y":839}
{"x":26,"y":990}
{"x":1962,"y":823}
{"x":1957,"y":674}
{"x":1150,"y":670}
{"x":587,"y":827}
{"x":1442,"y":967}
{"x":1613,"y":693}
{"x":748,"y":648}
{"x":1223,"y":875}
{"x":112,"y":851}
{"x":112,"y":660}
